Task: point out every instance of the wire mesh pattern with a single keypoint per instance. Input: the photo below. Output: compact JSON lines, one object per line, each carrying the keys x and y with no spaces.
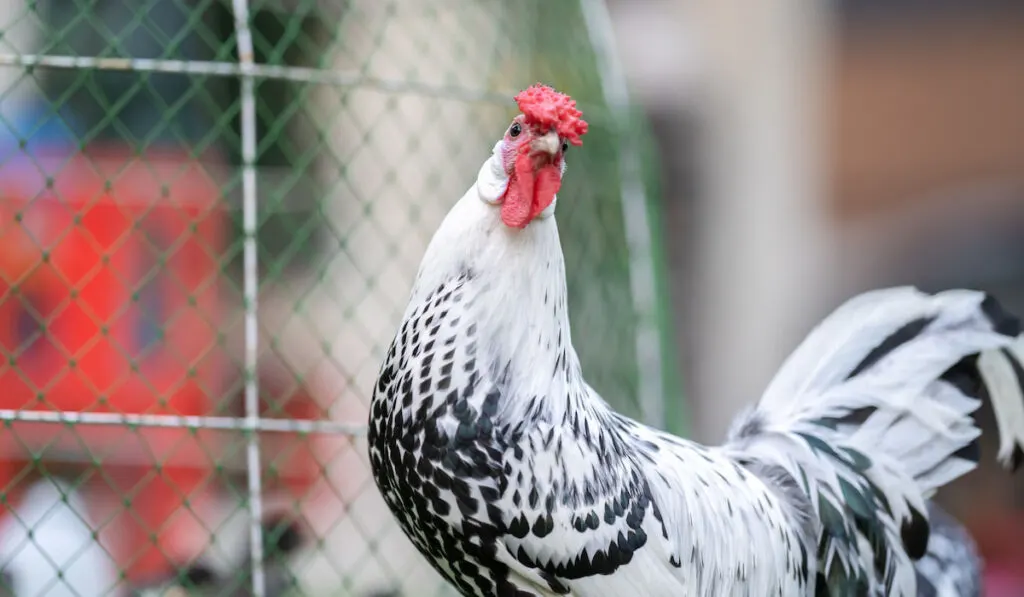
{"x":211,"y":212}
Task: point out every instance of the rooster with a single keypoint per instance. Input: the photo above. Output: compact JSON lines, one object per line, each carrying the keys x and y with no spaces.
{"x":513,"y":477}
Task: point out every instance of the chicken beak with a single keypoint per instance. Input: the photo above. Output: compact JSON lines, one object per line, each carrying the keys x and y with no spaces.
{"x":549,"y":144}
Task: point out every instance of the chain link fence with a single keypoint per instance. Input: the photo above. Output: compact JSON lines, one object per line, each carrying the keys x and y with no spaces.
{"x":211,"y":212}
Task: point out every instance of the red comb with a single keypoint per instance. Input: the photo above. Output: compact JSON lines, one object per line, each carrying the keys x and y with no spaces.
{"x":547,"y":108}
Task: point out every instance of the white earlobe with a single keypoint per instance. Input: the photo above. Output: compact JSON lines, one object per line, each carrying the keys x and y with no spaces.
{"x":491,"y":181}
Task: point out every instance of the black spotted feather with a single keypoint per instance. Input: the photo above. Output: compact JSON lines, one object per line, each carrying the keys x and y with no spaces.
{"x":877,"y":407}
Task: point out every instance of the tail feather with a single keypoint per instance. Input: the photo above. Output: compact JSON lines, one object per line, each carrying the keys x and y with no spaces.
{"x":878,"y":408}
{"x":902,"y":372}
{"x":1004,"y":376}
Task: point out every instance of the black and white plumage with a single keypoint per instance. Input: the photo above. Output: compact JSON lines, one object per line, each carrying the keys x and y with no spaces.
{"x":515,"y":478}
{"x":951,"y":567}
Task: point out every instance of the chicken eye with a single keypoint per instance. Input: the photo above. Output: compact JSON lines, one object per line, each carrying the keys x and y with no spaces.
{"x":565,"y":146}
{"x":515,"y":129}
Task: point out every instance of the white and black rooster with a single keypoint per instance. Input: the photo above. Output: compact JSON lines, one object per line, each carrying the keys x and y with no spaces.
{"x":515,"y":478}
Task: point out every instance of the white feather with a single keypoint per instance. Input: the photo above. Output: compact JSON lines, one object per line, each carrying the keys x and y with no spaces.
{"x":1005,"y":394}
{"x":492,"y":180}
{"x":916,"y":422}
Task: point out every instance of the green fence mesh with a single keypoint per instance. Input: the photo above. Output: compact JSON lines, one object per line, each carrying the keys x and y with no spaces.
{"x":211,"y":212}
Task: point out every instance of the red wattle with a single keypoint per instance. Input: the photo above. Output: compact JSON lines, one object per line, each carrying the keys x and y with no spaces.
{"x":548,"y":181}
{"x":517,"y":206}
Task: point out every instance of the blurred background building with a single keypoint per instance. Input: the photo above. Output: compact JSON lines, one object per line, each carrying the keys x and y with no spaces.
{"x":799,"y":152}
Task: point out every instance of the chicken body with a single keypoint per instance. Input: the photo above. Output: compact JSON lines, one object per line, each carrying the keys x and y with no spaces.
{"x":555,"y":497}
{"x":515,"y":478}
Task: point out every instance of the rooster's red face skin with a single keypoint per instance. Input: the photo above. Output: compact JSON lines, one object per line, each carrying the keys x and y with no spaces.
{"x":534,"y":177}
{"x":533,"y":151}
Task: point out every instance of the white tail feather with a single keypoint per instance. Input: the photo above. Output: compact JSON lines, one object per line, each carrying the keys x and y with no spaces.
{"x":1005,"y":393}
{"x":886,"y":352}
{"x":878,"y":405}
